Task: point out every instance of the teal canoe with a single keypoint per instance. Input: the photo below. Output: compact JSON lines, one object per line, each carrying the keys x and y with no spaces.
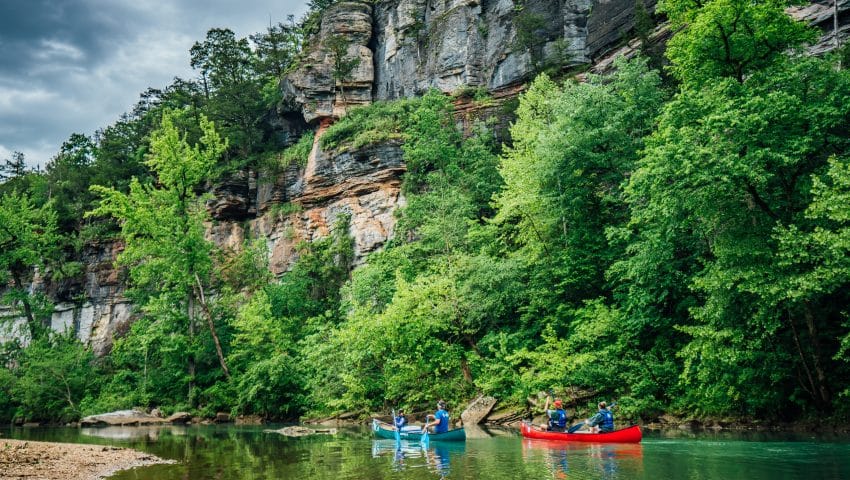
{"x":383,"y":430}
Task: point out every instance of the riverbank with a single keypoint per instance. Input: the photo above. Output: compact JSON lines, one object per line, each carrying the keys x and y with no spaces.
{"x":65,"y":461}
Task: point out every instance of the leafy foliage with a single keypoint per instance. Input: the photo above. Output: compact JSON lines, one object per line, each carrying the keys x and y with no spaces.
{"x":170,"y":260}
{"x":28,"y":238}
{"x":729,"y":38}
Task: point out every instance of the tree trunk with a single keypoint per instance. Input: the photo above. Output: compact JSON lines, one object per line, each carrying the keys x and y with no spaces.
{"x":825,"y":396}
{"x":200,"y":293}
{"x":835,"y":24}
{"x":190,"y":305}
{"x":33,"y":326}
{"x":803,"y":360}
{"x":467,"y":372}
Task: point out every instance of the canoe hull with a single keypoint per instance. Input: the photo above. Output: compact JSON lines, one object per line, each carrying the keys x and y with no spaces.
{"x":624,"y":435}
{"x":456,"y":435}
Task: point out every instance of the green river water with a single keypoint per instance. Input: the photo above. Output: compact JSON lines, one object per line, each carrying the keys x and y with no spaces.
{"x":242,"y":453}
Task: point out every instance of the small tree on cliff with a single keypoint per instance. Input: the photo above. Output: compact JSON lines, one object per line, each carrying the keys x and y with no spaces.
{"x":336,"y":46}
{"x":162,"y":225}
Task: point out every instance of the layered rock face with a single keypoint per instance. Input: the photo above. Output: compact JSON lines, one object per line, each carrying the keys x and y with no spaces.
{"x":92,"y":306}
{"x":313,"y":86}
{"x":408,"y":46}
{"x":364,"y":184}
{"x":494,"y":44}
{"x":822,"y":14}
{"x":404,"y":48}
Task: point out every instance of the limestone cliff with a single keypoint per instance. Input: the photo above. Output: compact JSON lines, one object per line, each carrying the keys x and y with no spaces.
{"x":404,"y":47}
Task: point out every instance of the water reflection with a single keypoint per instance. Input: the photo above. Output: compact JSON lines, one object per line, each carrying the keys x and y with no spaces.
{"x":150,"y":433}
{"x":405,"y":454}
{"x":249,"y":453}
{"x":612,"y":460}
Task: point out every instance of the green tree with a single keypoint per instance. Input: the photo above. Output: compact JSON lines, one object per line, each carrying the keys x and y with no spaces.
{"x":342,"y":64}
{"x":170,"y":260}
{"x":276,"y":48}
{"x":813,"y":257}
{"x":727,"y":166}
{"x":232,"y":87}
{"x":574,"y":146}
{"x":69,"y":175}
{"x":53,"y":376}
{"x":28,"y":240}
{"x":729,"y":38}
{"x":14,"y":166}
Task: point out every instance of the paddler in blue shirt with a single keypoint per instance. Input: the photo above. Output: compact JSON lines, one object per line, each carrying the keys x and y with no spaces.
{"x":441,"y":419}
{"x":400,"y":421}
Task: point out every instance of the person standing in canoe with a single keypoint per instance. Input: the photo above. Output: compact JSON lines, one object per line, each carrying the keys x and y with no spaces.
{"x":400,"y":421}
{"x":603,"y":421}
{"x":557,"y":416}
{"x":441,"y":419}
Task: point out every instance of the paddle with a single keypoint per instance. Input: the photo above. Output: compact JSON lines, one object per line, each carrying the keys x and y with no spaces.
{"x":395,"y":429}
{"x":424,"y":439}
{"x":578,"y":426}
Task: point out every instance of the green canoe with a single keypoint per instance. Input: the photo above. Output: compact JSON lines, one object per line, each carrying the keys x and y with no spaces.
{"x":385,"y":431}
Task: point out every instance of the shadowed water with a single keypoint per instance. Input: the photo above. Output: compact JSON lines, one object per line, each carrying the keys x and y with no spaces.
{"x":242,"y":453}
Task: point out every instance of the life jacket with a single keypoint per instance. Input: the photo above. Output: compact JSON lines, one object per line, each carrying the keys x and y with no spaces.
{"x":559,"y":420}
{"x":400,"y":421}
{"x":607,"y":419}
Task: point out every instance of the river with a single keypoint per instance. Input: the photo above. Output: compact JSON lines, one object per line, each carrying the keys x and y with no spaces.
{"x":248,"y":452}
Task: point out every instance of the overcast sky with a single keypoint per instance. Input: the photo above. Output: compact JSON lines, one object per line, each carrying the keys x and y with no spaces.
{"x":71,"y":66}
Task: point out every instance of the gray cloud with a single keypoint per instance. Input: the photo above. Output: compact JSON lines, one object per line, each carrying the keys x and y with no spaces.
{"x":76,"y":65}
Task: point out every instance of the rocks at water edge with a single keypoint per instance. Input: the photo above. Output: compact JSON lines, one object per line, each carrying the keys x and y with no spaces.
{"x":477,"y":410}
{"x":179,"y":417}
{"x":138,"y":417}
{"x":222,"y":417}
{"x":122,"y":417}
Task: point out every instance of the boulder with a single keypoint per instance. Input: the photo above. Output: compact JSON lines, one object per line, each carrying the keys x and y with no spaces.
{"x":121,"y":417}
{"x":222,"y":417}
{"x":179,"y":417}
{"x":249,"y":420}
{"x":477,"y":410}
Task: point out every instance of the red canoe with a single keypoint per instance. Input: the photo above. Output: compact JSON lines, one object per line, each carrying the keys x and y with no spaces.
{"x":625,"y":435}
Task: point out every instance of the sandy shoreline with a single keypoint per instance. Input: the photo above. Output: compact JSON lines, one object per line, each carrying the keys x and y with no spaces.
{"x":23,"y":459}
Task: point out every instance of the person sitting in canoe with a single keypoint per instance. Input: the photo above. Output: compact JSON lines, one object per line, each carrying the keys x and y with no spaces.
{"x":400,"y":421}
{"x":603,"y":421}
{"x":441,"y":419}
{"x":557,"y":416}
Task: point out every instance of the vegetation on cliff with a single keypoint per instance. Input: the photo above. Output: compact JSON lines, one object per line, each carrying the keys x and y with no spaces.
{"x":680,"y":247}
